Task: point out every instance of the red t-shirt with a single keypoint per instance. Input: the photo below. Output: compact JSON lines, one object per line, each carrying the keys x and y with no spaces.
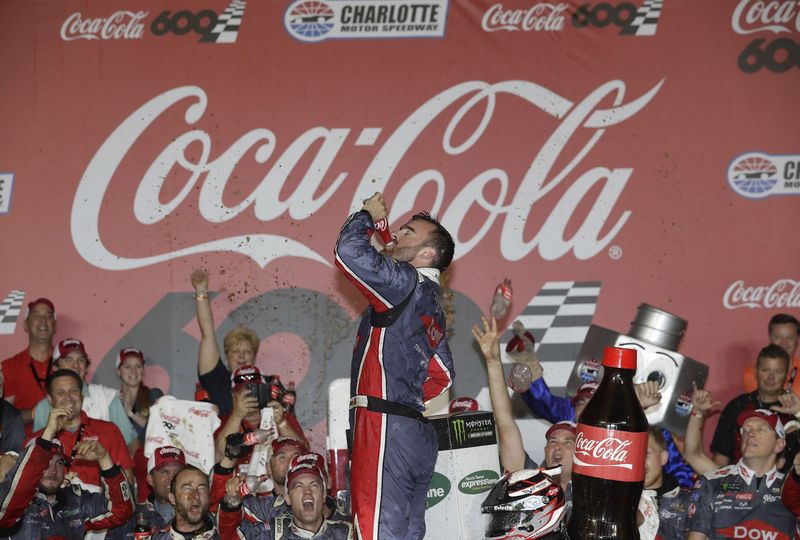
{"x":25,"y":381}
{"x":92,"y":429}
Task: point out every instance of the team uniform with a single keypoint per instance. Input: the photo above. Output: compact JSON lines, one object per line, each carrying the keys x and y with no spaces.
{"x":25,"y":380}
{"x":673,"y":514}
{"x":88,"y":472}
{"x":27,"y":514}
{"x":401,"y":359}
{"x":207,"y":532}
{"x":283,"y":528}
{"x":732,"y":503}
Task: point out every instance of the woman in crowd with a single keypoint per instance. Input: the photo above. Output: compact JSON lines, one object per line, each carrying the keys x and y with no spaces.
{"x":136,"y":399}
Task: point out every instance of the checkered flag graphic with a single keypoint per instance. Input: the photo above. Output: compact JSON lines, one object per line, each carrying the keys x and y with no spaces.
{"x":9,"y":311}
{"x":559,"y":317}
{"x":228,"y":23}
{"x":644,"y":24}
{"x":6,"y":182}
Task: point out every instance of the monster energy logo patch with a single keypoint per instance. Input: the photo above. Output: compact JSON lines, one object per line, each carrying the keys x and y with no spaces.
{"x":472,"y":432}
{"x":459,"y":429}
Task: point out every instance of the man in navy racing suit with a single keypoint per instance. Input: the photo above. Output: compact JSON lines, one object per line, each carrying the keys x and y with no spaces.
{"x":401,"y":359}
{"x":743,"y":500}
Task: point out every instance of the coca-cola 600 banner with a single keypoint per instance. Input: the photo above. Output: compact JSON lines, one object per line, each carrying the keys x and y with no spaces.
{"x":602,"y":154}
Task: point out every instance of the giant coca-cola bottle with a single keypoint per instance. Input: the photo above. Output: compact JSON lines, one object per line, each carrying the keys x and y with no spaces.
{"x":610,"y":451}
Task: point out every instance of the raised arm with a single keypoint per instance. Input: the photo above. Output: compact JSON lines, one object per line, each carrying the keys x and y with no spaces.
{"x":383,"y":281}
{"x":702,"y":405}
{"x":512,"y":453}
{"x":208,"y":355}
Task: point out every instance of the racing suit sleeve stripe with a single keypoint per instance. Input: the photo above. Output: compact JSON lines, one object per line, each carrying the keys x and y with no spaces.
{"x":439,"y":378}
{"x":371,"y":375}
{"x":228,"y":520}
{"x":118,"y":506}
{"x":19,"y":486}
{"x":366,"y":475}
{"x":219,"y":477}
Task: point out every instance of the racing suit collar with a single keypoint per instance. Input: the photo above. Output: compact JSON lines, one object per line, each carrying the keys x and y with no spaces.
{"x":430,"y":273}
{"x":303,"y":533}
{"x":748,"y":474}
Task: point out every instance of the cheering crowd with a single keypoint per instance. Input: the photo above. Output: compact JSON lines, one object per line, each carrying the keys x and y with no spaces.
{"x":73,"y":462}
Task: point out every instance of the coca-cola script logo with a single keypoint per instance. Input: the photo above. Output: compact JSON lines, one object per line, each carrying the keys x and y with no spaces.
{"x":118,"y":25}
{"x":783,"y":293}
{"x":776,"y":16}
{"x":516,"y":200}
{"x":607,"y":452}
{"x":539,"y":17}
{"x":610,"y":454}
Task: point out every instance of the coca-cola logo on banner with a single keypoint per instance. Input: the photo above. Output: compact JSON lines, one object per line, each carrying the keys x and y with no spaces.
{"x":780,"y":21}
{"x":541,"y":16}
{"x":118,"y":25}
{"x":610,"y":454}
{"x":600,"y":186}
{"x":630,"y":20}
{"x":315,"y":20}
{"x":756,"y":175}
{"x":783,"y":293}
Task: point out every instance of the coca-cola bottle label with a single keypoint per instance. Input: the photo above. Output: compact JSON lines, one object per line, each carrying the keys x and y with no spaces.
{"x":610,"y":454}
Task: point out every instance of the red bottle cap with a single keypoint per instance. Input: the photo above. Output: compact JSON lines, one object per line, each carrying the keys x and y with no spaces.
{"x":619,"y":357}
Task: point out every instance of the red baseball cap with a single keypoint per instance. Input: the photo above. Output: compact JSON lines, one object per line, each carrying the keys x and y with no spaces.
{"x":564,"y":424}
{"x":463,"y":404}
{"x":164,"y":455}
{"x":66,"y":346}
{"x":282,"y":442}
{"x":129,"y":351}
{"x":246,"y":375}
{"x":769,"y":417}
{"x":311,"y":463}
{"x":44,"y":301}
{"x":585,"y":391}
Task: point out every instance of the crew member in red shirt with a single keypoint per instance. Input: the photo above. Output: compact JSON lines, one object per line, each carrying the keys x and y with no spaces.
{"x":26,"y":372}
{"x":64,"y":390}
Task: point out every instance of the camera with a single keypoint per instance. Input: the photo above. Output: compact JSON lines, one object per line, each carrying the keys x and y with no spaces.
{"x":260,"y":391}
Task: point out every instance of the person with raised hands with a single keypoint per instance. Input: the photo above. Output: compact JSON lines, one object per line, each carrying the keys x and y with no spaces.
{"x":36,"y":503}
{"x":64,"y":389}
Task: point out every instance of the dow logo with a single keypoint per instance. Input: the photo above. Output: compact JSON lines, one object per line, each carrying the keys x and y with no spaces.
{"x":438,"y":489}
{"x":210,"y":26}
{"x":458,"y":428}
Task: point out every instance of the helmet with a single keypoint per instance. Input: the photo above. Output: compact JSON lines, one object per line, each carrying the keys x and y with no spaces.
{"x":526,"y":504}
